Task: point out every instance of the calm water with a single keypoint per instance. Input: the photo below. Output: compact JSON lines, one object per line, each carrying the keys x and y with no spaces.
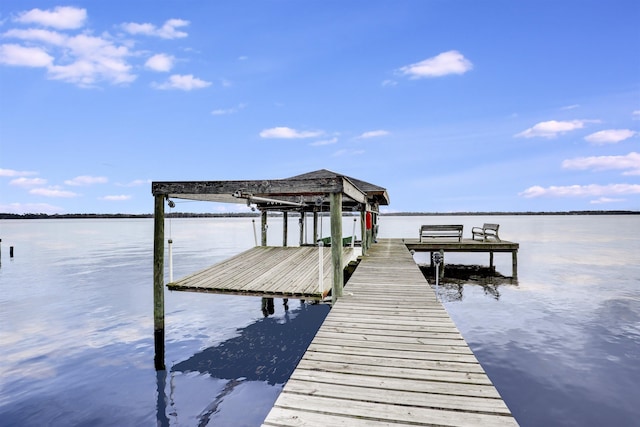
{"x":562,"y":345}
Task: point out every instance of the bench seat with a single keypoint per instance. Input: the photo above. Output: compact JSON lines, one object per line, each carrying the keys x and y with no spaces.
{"x":485,"y":232}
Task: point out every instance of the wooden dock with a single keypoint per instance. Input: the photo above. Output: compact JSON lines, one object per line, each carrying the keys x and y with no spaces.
{"x":268,"y":271}
{"x":389,"y":354}
{"x":468,"y":245}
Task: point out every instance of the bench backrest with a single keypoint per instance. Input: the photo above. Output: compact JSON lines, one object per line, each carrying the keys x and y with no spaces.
{"x":493,"y":227}
{"x":438,"y":227}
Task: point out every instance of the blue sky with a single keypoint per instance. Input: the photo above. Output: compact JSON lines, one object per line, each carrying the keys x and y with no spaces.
{"x":450,"y":105}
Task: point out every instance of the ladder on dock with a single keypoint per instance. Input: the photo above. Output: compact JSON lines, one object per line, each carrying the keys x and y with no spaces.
{"x":389,"y":354}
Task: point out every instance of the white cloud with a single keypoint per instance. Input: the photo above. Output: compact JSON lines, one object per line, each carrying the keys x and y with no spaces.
{"x":27,"y":182}
{"x":223,"y":111}
{"x":288,"y":133}
{"x":636,"y":115}
{"x":86,"y":180}
{"x":182,"y":82}
{"x":553,"y":128}
{"x":11,"y":173}
{"x":22,"y":208}
{"x":16,"y":55}
{"x":629,"y":163}
{"x":603,"y":200}
{"x":114,"y":198}
{"x":160,"y":62}
{"x":570,"y":107}
{"x":83,"y":59}
{"x":592,"y":190}
{"x":373,"y":134}
{"x":610,"y":136}
{"x":389,"y":83}
{"x":135,"y":183}
{"x":61,"y":17}
{"x":53,"y":192}
{"x":451,"y":62}
{"x":167,"y":31}
{"x":324,"y":142}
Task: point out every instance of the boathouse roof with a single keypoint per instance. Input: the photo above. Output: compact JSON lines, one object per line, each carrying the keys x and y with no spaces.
{"x":306,"y":192}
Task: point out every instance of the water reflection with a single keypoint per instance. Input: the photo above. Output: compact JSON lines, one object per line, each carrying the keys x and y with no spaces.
{"x":264,"y":352}
{"x":451,"y":286}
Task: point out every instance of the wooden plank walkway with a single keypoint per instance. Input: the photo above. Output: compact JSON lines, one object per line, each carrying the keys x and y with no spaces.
{"x":269,"y":271}
{"x":389,"y":354}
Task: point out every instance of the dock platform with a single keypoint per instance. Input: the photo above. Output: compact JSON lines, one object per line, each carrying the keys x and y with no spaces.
{"x":268,"y":271}
{"x":389,"y":354}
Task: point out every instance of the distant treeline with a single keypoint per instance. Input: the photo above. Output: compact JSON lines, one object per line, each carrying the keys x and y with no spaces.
{"x":257,"y":214}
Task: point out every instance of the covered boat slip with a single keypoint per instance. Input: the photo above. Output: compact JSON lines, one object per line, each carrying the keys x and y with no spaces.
{"x":269,"y":271}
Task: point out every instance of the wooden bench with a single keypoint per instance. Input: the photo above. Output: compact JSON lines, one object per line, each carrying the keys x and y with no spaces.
{"x":486,"y":231}
{"x":440,"y":231}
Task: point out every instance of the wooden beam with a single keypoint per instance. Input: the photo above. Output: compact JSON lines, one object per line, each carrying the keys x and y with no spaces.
{"x":336,"y":245}
{"x":158,"y":282}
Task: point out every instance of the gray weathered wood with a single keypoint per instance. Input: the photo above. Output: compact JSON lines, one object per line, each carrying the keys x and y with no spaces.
{"x":158,"y":282}
{"x":336,"y":249}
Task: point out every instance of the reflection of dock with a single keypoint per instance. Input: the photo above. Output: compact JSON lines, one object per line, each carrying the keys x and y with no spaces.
{"x":272,"y":271}
{"x":388,"y":353}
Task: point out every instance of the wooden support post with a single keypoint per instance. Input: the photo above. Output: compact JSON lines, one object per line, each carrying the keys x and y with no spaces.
{"x":158,"y":282}
{"x":514,"y":264}
{"x":285,"y":223}
{"x":491,"y":261}
{"x":263,"y":217}
{"x":442,"y":264}
{"x":302,"y":228}
{"x":336,"y":246}
{"x":315,"y":227}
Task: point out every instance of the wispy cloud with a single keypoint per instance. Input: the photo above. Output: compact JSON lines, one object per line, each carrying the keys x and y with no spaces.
{"x":592,"y":190}
{"x":21,"y":208}
{"x":451,"y":62}
{"x":389,"y":83}
{"x":135,"y":183}
{"x":570,"y":107}
{"x":118,"y":198}
{"x":168,"y":31}
{"x":85,"y":180}
{"x":53,"y":192}
{"x":605,"y":200}
{"x":160,"y":62}
{"x":28,"y":182}
{"x":553,"y":128}
{"x":630,"y":163}
{"x":224,"y":111}
{"x":324,"y":142}
{"x":12,"y":173}
{"x":284,"y":132}
{"x":60,"y":17}
{"x":636,"y":115}
{"x":373,"y":134}
{"x":182,"y":82}
{"x":610,"y":136}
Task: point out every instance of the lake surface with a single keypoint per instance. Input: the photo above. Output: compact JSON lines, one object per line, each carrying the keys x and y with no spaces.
{"x":562,"y":344}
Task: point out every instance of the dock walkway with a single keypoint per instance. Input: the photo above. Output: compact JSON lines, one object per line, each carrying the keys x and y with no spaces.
{"x":389,"y":354}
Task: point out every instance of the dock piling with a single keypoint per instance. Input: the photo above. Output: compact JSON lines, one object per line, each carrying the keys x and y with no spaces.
{"x":158,"y":283}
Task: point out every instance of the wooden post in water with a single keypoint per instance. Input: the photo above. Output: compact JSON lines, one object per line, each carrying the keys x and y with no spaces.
{"x":514,"y":264}
{"x":264,"y":228}
{"x":158,"y":282}
{"x":336,"y":245}
{"x":491,"y":261}
{"x":285,"y":223}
